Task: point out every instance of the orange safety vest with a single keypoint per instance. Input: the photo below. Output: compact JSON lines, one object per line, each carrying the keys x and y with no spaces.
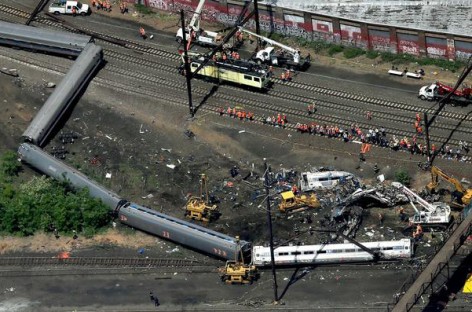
{"x":142,"y":32}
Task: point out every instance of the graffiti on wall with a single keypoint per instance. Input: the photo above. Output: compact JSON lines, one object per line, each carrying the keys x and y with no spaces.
{"x":160,"y":4}
{"x":323,"y":30}
{"x":436,"y":47}
{"x":463,"y":49}
{"x":408,"y":44}
{"x":351,"y":34}
{"x":379,"y":40}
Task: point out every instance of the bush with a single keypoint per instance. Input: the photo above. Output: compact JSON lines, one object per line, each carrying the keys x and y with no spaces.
{"x":372,"y":54}
{"x":351,"y":52}
{"x":9,"y":166}
{"x":403,"y":177}
{"x":334,"y":49}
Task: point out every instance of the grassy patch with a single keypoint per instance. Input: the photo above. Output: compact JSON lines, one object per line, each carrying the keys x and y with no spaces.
{"x":335,"y":49}
{"x":143,"y":9}
{"x":351,"y":52}
{"x":372,"y":54}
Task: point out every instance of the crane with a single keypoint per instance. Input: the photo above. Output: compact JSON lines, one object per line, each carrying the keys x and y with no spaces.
{"x":270,"y":56}
{"x":462,"y":195}
{"x":435,"y":214}
{"x":198,"y":207}
{"x":194,"y":32}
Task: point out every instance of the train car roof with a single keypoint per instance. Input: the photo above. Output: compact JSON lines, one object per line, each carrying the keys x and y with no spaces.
{"x":19,"y":32}
{"x":236,"y":65}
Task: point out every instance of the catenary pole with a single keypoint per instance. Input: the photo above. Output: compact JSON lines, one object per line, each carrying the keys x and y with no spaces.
{"x":271,"y":237}
{"x":188,"y":75}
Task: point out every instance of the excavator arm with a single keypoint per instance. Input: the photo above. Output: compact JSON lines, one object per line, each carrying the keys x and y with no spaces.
{"x":436,"y":173}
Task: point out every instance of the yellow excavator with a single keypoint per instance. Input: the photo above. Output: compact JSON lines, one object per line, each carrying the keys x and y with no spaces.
{"x":292,"y":203}
{"x":198,"y":207}
{"x":236,"y":272}
{"x":462,"y":195}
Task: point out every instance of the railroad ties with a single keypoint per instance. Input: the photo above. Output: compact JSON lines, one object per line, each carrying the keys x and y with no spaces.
{"x":96,"y":261}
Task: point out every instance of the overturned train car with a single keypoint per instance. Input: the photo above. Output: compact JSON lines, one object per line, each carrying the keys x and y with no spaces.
{"x":185,"y":233}
{"x":39,"y":39}
{"x":64,"y":95}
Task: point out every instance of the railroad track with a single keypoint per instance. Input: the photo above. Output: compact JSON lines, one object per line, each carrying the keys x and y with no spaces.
{"x":299,"y":115}
{"x":97,"y":261}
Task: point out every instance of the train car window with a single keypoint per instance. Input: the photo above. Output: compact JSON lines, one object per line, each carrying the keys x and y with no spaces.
{"x":283,"y":253}
{"x":296,"y":253}
{"x":406,"y":248}
{"x":350,"y":250}
{"x":321,"y":251}
{"x":247,"y":77}
{"x":257,"y":79}
{"x":308,"y":252}
{"x":194,"y":65}
{"x":387,"y":248}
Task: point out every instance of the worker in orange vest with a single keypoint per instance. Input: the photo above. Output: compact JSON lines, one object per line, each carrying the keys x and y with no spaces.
{"x":282,"y":77}
{"x":142,"y":32}
{"x":74,"y":11}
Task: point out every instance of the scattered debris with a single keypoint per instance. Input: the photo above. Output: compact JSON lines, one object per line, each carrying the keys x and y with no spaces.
{"x":50,"y":85}
{"x":10,"y":72}
{"x":171,"y":166}
{"x":108,"y":175}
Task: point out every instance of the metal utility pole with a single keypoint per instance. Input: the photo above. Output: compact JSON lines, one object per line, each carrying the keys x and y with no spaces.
{"x":271,"y":237}
{"x":188,"y":74}
{"x":426,"y":129}
{"x":36,"y":10}
{"x":256,"y":18}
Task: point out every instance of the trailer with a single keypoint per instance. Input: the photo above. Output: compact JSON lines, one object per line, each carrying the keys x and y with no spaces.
{"x":438,"y":91}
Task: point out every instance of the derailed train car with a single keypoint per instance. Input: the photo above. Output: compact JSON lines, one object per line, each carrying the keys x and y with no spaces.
{"x":332,"y":253}
{"x":49,"y":165}
{"x":39,"y":39}
{"x":188,"y":234}
{"x":183,"y":232}
{"x":64,"y":95}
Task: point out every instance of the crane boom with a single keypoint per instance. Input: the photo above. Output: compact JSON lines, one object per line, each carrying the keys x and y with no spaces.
{"x":270,"y":41}
{"x":196,"y":16}
{"x":410,"y":194}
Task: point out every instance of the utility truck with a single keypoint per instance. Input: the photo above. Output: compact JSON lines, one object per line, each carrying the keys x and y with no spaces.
{"x":435,"y":215}
{"x":194,"y":33}
{"x":283,"y":56}
{"x":69,"y":7}
{"x":438,"y":91}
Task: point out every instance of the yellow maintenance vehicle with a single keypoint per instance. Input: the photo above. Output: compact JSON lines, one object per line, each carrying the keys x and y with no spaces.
{"x":292,"y":203}
{"x":462,"y":195}
{"x":236,"y":272}
{"x":198,"y":207}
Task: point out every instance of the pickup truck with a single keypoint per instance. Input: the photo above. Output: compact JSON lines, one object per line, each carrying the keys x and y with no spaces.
{"x":67,"y":7}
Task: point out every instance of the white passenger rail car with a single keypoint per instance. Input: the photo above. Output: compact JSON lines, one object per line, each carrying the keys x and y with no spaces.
{"x":332,"y":253}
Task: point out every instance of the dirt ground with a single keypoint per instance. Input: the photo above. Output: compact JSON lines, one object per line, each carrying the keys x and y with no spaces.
{"x":136,"y":145}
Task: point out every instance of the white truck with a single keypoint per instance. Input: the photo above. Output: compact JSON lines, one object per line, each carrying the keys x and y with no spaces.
{"x":285,"y":56}
{"x":438,"y":91}
{"x":69,"y":7}
{"x":194,"y":33}
{"x":432,"y":215}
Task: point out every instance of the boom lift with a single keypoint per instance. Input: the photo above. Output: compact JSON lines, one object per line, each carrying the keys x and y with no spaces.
{"x":236,"y":272}
{"x":462,"y":195}
{"x":198,"y":208}
{"x":433,"y":215}
{"x":194,"y":32}
{"x":292,"y":203}
{"x":286,"y":57}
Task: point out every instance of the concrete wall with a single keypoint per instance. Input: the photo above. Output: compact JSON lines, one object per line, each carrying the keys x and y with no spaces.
{"x":312,"y":26}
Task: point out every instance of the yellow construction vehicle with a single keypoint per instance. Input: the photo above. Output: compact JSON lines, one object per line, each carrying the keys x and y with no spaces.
{"x":236,"y":272}
{"x":462,"y":195}
{"x":198,"y":207}
{"x":292,"y":203}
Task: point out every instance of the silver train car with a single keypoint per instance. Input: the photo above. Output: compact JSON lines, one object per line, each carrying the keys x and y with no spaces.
{"x":64,"y":94}
{"x":51,"y":166}
{"x":332,"y":253}
{"x":39,"y":39}
{"x":185,"y":233}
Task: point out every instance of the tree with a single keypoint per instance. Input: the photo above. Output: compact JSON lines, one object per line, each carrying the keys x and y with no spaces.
{"x":9,"y":166}
{"x":403,"y":177}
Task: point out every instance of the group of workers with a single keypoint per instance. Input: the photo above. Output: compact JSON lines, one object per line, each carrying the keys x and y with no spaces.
{"x":102,"y":5}
{"x":279,"y":121}
{"x":235,"y":113}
